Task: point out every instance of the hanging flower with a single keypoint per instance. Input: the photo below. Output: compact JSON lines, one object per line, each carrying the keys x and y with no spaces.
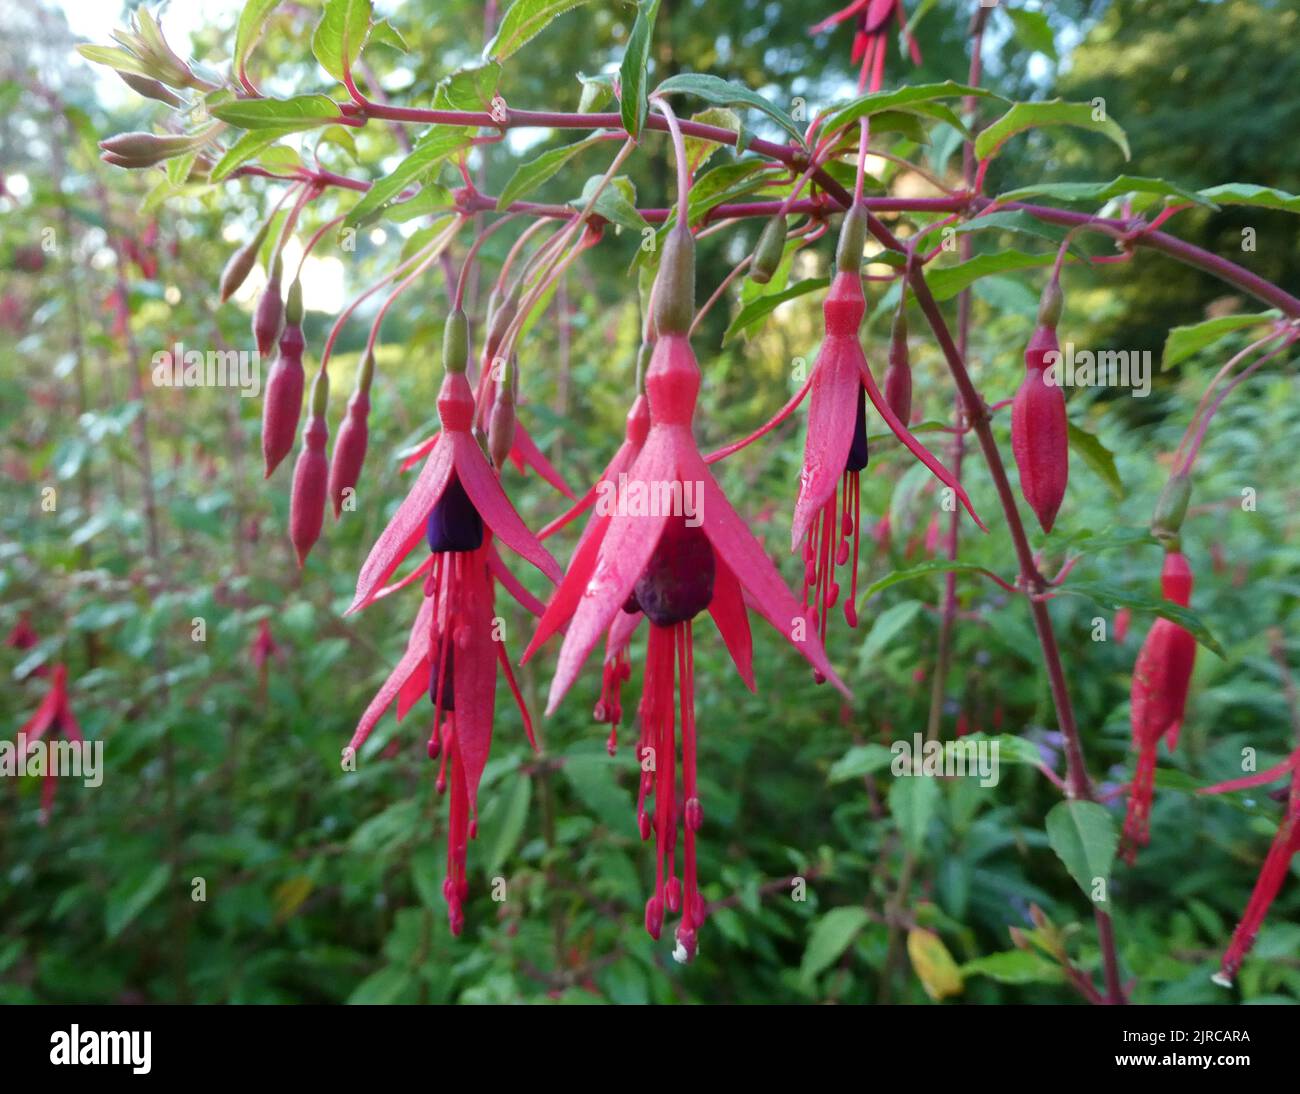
{"x":671,"y":562}
{"x":54,"y":713}
{"x":871,"y":36}
{"x":1161,"y":678}
{"x":454,"y":649}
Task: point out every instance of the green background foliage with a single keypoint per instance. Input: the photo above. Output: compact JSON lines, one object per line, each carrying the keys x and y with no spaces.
{"x":323,"y":886}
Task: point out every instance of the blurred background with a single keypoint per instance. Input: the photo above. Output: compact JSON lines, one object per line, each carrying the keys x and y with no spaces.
{"x":221,"y":766}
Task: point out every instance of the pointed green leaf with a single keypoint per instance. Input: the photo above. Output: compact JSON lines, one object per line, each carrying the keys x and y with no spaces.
{"x":1245,"y":193}
{"x":1185,"y":342}
{"x":436,"y":145}
{"x":830,"y":937}
{"x":1105,"y":191}
{"x":524,"y":20}
{"x":719,"y":92}
{"x":252,"y":21}
{"x":1083,"y":836}
{"x":1112,"y":598}
{"x":632,"y":72}
{"x":342,"y":21}
{"x":287,"y":115}
{"x":529,"y":176}
{"x":763,"y":306}
{"x":1024,"y":116}
{"x":1098,"y":457}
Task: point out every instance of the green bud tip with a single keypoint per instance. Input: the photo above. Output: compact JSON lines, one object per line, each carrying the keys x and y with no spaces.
{"x":455,"y":342}
{"x":853,"y":238}
{"x":675,"y":288}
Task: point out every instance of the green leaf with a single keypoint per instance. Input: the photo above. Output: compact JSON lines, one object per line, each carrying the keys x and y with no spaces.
{"x":252,"y":21}
{"x":1112,"y":598}
{"x":1015,"y":967}
{"x":616,"y":203}
{"x":757,"y":309}
{"x":472,"y":88}
{"x":511,"y":825}
{"x":342,"y":21}
{"x":878,"y":102}
{"x":700,"y":149}
{"x":383,"y":987}
{"x":287,"y":115}
{"x":632,"y":72}
{"x":1024,"y":116}
{"x":1011,"y":749}
{"x":832,"y":934}
{"x":1105,"y":191}
{"x":384,"y":33}
{"x":529,"y":176}
{"x":1245,"y":193}
{"x":923,"y":569}
{"x":912,"y":802}
{"x":719,"y":92}
{"x":1185,"y":342}
{"x":249,"y":146}
{"x":887,"y":626}
{"x":1083,"y":836}
{"x":948,"y":281}
{"x":1033,"y":31}
{"x":1098,"y":457}
{"x":859,"y":761}
{"x":129,"y":897}
{"x":524,"y":20}
{"x":436,"y":145}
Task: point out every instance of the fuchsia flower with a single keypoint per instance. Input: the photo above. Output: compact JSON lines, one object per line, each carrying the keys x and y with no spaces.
{"x":452,"y":654}
{"x":1277,"y":863}
{"x":55,"y":712}
{"x":871,"y":36}
{"x":827,"y":513}
{"x":658,"y":563}
{"x":23,"y":636}
{"x":1161,"y":678}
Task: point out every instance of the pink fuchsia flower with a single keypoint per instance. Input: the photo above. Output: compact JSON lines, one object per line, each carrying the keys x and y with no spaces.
{"x":453,"y":650}
{"x":54,"y":713}
{"x":1162,"y":676}
{"x":658,"y":563}
{"x":1277,"y":863}
{"x":827,"y":517}
{"x":871,"y":36}
{"x":22,"y":637}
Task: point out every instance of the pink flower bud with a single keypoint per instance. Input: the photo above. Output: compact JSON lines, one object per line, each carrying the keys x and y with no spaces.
{"x":1040,"y":434}
{"x":268,"y":319}
{"x":307,"y":500}
{"x":349,"y":449}
{"x":283,"y":403}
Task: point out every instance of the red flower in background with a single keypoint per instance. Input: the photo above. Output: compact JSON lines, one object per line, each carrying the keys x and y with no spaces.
{"x":23,"y":636}
{"x":871,"y":36}
{"x":1161,"y":677}
{"x":54,"y":713}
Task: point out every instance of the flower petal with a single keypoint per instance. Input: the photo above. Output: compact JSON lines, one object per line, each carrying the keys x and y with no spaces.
{"x":626,"y":548}
{"x":736,"y":545}
{"x":525,"y":452}
{"x":728,"y":611}
{"x":406,"y":527}
{"x":418,"y":453}
{"x":484,"y":490}
{"x":831,"y":414}
{"x":564,"y":601}
{"x":498,"y":569}
{"x":417,"y":650}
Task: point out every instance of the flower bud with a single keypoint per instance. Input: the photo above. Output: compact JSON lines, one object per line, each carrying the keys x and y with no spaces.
{"x":769,"y":251}
{"x":675,"y":289}
{"x":241,"y":263}
{"x":268,"y":319}
{"x":898,"y":377}
{"x":283,"y":403}
{"x":144,"y":149}
{"x":500,"y":316}
{"x":310,"y":474}
{"x":501,"y":426}
{"x":853,"y":237}
{"x":150,"y":89}
{"x":354,"y":434}
{"x":455,"y":342}
{"x":1041,"y":445}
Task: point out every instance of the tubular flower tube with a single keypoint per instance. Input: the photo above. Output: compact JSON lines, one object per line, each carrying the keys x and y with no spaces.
{"x":310,"y":475}
{"x":1161,"y":677}
{"x":667,"y":542}
{"x":282,"y":406}
{"x":898,"y":377}
{"x":350,"y":446}
{"x":1277,"y":863}
{"x":54,"y":713}
{"x":457,"y":505}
